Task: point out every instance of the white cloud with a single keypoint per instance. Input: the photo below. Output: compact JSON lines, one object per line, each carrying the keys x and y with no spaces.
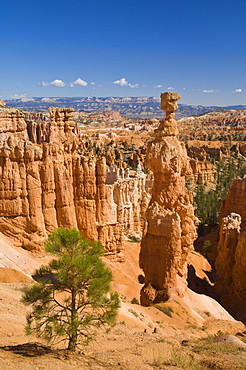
{"x":93,"y":83}
{"x":56,"y":83}
{"x":157,"y":86}
{"x":121,"y":82}
{"x":237,"y":91}
{"x":44,"y":83}
{"x":184,"y":88}
{"x":170,"y":88}
{"x":210,"y":91}
{"x":124,"y":82}
{"x":78,"y":82}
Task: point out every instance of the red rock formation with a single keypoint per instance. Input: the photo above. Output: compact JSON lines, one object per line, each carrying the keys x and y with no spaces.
{"x":58,"y":183}
{"x":204,"y":172}
{"x":12,"y":124}
{"x":230,"y":261}
{"x":235,"y":200}
{"x":230,"y":227}
{"x":169,"y":230}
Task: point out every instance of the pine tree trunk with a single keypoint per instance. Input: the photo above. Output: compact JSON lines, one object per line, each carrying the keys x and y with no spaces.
{"x":72,"y":342}
{"x":74,"y":336}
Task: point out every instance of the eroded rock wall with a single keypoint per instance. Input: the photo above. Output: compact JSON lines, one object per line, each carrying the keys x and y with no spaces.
{"x":231,"y":261}
{"x":59,"y":183}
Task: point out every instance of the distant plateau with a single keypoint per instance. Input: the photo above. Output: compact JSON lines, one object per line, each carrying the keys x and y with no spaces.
{"x":132,"y":107}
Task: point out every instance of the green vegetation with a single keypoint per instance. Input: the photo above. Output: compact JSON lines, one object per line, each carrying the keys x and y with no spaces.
{"x":158,"y":360}
{"x":210,"y":344}
{"x":207,"y":201}
{"x":184,"y":360}
{"x":135,"y":301}
{"x":133,"y":312}
{"x":200,"y":354}
{"x":72,"y":294}
{"x":134,"y":239}
{"x":167,"y":310}
{"x":207,"y":205}
{"x":177,"y":358}
{"x":207,"y":247}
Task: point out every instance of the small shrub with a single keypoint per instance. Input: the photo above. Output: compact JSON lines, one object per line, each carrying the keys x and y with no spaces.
{"x":184,"y":361}
{"x":158,"y":360}
{"x":192,"y":326}
{"x":134,"y":239}
{"x":133,"y":312}
{"x":135,"y":301}
{"x":167,"y":310}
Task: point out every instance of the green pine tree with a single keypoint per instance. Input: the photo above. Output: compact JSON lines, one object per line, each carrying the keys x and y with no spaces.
{"x":207,"y":247}
{"x":72,"y":294}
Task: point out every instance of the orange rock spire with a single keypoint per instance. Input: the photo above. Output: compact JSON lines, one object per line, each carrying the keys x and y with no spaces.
{"x":169,"y":230}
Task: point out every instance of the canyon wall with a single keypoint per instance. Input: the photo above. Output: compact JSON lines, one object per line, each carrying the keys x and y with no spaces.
{"x":203,"y":171}
{"x":169,"y":230}
{"x":49,"y":179}
{"x":51,"y":176}
{"x":231,"y":261}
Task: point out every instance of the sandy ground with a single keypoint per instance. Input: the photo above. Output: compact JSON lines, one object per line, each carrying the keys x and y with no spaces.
{"x":144,"y":337}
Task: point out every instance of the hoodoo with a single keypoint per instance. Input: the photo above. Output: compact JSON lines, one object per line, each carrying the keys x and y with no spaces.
{"x":169,"y":229}
{"x":231,"y":262}
{"x":49,"y":178}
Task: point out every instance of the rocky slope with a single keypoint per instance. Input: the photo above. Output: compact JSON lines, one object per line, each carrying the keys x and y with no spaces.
{"x":143,"y":338}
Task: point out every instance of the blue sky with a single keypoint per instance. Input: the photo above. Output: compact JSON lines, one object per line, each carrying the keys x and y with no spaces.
{"x":124,"y":48}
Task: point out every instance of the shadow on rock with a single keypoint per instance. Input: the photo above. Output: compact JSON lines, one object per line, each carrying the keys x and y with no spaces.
{"x":28,"y":349}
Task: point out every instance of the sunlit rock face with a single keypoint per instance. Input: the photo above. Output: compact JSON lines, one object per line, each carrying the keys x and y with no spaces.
{"x":169,"y":229}
{"x":49,"y":179}
{"x":231,"y":250}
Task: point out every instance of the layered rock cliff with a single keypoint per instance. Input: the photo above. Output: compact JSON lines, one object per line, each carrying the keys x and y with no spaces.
{"x":49,"y":179}
{"x":231,"y":261}
{"x":169,"y":229}
{"x":203,"y":171}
